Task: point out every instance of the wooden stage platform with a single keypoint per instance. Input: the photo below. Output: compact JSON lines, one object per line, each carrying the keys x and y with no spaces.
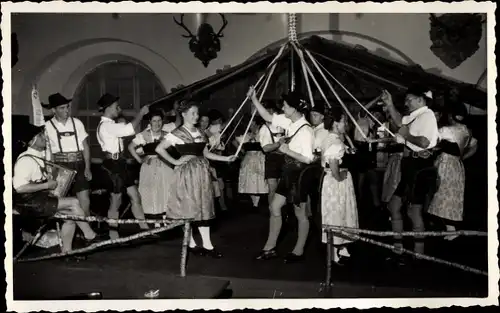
{"x":63,"y":282}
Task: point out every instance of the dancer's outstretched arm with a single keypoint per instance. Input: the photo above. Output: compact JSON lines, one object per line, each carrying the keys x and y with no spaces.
{"x":215,"y":157}
{"x":266,"y":116}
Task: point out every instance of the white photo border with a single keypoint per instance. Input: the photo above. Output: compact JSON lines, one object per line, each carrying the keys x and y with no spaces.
{"x":261,"y":7}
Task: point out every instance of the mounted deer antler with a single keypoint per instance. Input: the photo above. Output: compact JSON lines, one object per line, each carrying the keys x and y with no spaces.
{"x":181,"y":24}
{"x":224,"y":24}
{"x":206,"y":43}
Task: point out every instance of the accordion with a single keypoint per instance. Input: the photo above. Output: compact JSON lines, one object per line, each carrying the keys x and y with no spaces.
{"x":64,"y":178}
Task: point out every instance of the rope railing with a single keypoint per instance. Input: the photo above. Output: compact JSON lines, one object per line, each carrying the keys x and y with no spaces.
{"x":113,"y":220}
{"x":108,"y":242}
{"x":407,"y":233}
{"x":353,"y":233}
{"x":418,"y":255}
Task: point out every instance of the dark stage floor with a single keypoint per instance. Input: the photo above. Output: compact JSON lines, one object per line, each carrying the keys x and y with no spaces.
{"x":150,"y":264}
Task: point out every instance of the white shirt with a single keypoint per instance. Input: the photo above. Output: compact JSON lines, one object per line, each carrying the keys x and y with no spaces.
{"x":110,"y":134}
{"x":27,"y":170}
{"x":303,"y":141}
{"x":68,"y":143}
{"x":320,"y":134}
{"x":334,"y":149}
{"x":265,"y":136}
{"x":422,"y":123}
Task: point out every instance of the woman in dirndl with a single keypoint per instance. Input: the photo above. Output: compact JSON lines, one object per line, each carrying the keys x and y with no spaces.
{"x":191,"y":192}
{"x":338,"y":197}
{"x":298,"y":151}
{"x":155,"y":174}
{"x":456,"y":144}
{"x":252,"y":170}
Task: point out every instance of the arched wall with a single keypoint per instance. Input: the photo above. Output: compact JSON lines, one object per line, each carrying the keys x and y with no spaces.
{"x":63,"y":70}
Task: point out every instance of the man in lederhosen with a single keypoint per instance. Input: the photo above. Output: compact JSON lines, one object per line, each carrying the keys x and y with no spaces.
{"x":68,"y":143}
{"x":419,"y":133}
{"x":33,"y":185}
{"x":110,"y":137}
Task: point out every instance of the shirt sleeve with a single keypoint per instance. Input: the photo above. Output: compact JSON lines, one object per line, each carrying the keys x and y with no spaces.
{"x":426,"y":126}
{"x":139,"y":140}
{"x":80,"y":128}
{"x":22,"y":173}
{"x":280,"y":120}
{"x":118,"y":129}
{"x":306,"y":138}
{"x":173,"y":140}
{"x":319,"y":137}
{"x":445,"y":133}
{"x":169,"y":127}
{"x":335,"y":151}
{"x":265,"y":136}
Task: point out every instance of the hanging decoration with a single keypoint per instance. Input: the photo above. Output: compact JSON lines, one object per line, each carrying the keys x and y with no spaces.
{"x":455,"y":36}
{"x":206,"y":43}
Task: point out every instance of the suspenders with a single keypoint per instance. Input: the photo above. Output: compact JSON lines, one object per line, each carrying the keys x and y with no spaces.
{"x":59,"y":135}
{"x":43,"y":168}
{"x":272,"y":134}
{"x":288,"y":139}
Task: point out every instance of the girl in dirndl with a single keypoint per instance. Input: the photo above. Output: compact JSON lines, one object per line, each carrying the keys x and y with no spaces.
{"x":456,"y":143}
{"x":191,"y":192}
{"x":155,"y":174}
{"x":338,"y":197}
{"x":252,"y":179}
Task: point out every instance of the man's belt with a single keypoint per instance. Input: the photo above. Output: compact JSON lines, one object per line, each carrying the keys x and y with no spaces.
{"x":68,"y":157}
{"x":424,"y":154}
{"x":113,"y":156}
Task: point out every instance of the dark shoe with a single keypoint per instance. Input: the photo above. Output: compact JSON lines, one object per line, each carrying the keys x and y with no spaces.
{"x":196,"y":251}
{"x":293,"y":258}
{"x":267,"y":255}
{"x":212,"y":253}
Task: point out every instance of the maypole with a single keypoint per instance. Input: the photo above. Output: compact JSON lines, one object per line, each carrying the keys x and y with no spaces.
{"x":292,"y":37}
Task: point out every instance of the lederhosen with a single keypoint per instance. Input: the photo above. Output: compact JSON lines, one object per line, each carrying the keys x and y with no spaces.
{"x":115,"y":165}
{"x":289,"y":185}
{"x":274,"y":160}
{"x":310,"y":179}
{"x":37,"y":204}
{"x":418,"y":175}
{"x":72,"y":160}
